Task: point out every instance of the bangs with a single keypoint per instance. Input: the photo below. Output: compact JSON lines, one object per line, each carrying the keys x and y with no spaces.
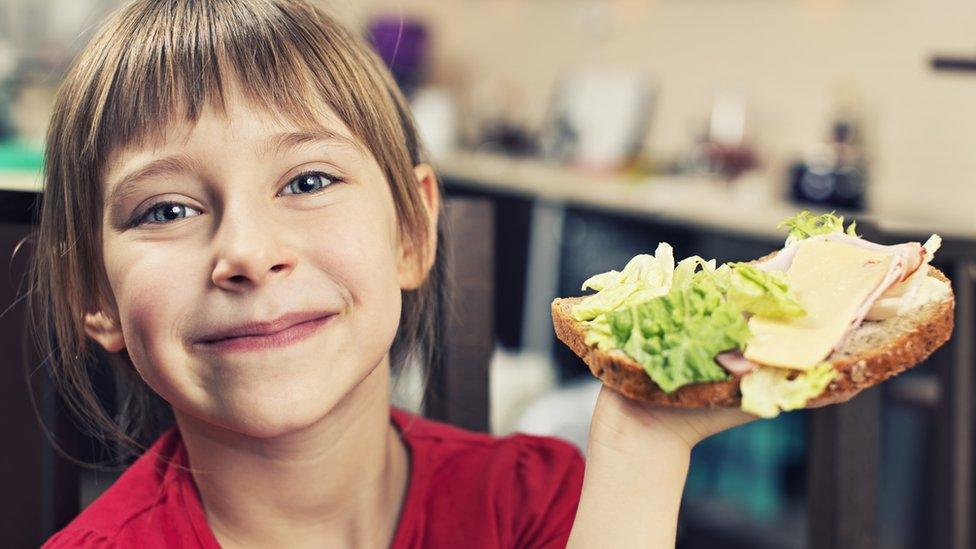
{"x":172,"y":60}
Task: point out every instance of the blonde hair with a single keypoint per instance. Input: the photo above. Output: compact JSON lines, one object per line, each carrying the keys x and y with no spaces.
{"x":155,"y":62}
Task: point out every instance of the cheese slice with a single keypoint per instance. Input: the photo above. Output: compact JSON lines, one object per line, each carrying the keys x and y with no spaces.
{"x":831,"y":280}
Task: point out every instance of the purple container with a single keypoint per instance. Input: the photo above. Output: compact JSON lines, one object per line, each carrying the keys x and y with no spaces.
{"x":402,"y":43}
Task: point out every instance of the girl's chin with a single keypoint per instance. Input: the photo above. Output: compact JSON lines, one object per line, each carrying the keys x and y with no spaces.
{"x":275,"y":407}
{"x":263,"y":419}
{"x":270,"y":428}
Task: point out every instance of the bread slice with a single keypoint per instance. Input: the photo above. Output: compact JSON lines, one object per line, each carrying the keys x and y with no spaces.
{"x":875,"y":352}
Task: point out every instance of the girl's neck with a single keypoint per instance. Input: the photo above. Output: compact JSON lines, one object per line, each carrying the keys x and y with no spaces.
{"x":339,"y":482}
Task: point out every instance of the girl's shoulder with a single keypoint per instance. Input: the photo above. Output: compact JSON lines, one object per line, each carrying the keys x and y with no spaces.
{"x":446,"y":444}
{"x":529,"y":485}
{"x":145,"y":506}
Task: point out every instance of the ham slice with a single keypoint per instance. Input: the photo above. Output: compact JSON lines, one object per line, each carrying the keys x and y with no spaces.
{"x":782,"y":260}
{"x":735,"y":363}
{"x":895,"y":273}
{"x":901,"y":296}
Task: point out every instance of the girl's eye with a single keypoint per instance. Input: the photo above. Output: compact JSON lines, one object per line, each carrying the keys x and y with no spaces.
{"x":310,"y":182}
{"x":162,"y":213}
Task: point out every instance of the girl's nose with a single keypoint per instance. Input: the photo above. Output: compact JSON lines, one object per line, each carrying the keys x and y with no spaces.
{"x":249,"y":252}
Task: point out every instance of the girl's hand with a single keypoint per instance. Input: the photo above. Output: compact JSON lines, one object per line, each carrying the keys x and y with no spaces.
{"x":636,"y":464}
{"x":630,"y":427}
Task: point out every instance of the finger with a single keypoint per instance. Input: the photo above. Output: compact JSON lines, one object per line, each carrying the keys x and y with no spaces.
{"x":706,"y":421}
{"x":720,"y":419}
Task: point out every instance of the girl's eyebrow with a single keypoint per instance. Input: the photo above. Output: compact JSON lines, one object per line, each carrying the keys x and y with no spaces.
{"x":128,"y":184}
{"x":288,"y":140}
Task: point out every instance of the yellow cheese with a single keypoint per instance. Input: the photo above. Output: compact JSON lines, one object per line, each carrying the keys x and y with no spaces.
{"x":831,"y":280}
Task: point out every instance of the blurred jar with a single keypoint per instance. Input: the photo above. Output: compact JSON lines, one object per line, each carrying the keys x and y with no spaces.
{"x":834,"y":173}
{"x":436,"y":116}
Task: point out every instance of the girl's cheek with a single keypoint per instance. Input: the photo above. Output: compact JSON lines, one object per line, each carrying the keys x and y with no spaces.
{"x":357,"y":245}
{"x":159,"y":289}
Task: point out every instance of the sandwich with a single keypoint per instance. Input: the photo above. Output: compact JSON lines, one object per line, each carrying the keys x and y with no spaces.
{"x":825,"y":317}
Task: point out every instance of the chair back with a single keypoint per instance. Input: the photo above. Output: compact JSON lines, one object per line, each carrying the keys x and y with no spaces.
{"x":457,"y":393}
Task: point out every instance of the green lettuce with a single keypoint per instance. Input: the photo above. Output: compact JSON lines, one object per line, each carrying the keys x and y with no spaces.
{"x":645,"y":277}
{"x":805,"y":224}
{"x":674,"y":319}
{"x":676,"y":337}
{"x":762,"y":293}
{"x":769,"y":390}
{"x":648,"y":276}
{"x":688,"y":267}
{"x":600,"y":334}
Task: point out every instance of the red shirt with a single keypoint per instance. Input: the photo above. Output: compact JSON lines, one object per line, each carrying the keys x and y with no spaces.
{"x":466,"y":490}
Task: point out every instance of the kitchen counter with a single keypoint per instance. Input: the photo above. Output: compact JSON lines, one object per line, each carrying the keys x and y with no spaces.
{"x":749,"y":206}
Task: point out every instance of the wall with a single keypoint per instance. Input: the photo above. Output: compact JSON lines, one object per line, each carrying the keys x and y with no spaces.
{"x":795,"y":60}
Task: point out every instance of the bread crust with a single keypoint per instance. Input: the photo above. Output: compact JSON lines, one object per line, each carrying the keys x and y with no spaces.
{"x":894,"y":347}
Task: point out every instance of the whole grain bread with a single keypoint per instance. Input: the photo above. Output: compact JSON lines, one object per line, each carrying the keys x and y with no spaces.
{"x":875,"y":352}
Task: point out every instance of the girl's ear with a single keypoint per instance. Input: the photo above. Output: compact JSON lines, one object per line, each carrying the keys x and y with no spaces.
{"x":413,"y":266}
{"x":105,"y":330}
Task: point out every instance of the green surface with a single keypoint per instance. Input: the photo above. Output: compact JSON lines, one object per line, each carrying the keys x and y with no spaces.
{"x":17,"y":155}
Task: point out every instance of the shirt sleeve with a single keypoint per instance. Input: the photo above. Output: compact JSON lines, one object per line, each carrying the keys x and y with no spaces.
{"x":74,"y":538}
{"x":549,"y":479}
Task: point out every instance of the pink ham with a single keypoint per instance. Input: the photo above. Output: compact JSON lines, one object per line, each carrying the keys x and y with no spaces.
{"x":895,"y":274}
{"x":735,"y":363}
{"x":781,"y":261}
{"x":891,"y":301}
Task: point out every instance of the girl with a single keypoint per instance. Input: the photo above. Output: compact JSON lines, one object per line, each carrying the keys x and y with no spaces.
{"x":238,"y":216}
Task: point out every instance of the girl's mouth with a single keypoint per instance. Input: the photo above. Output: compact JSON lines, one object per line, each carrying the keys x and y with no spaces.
{"x":292,"y":334}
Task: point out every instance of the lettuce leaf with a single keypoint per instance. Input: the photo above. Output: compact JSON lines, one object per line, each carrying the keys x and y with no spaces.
{"x":644,"y":278}
{"x":931,"y":246}
{"x":687,"y":268}
{"x":600,"y":334}
{"x":650,"y":275}
{"x":769,"y":390}
{"x":763,"y":293}
{"x":600,"y":281}
{"x":805,"y":224}
{"x":604,"y":301}
{"x":676,"y":337}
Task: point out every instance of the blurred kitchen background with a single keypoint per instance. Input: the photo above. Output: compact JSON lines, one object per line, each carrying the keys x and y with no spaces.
{"x":596,"y":129}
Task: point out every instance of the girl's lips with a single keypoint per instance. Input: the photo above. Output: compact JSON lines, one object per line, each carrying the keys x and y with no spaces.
{"x":285,"y":337}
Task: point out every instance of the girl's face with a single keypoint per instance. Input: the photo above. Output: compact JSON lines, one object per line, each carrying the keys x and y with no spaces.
{"x":242,"y":219}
